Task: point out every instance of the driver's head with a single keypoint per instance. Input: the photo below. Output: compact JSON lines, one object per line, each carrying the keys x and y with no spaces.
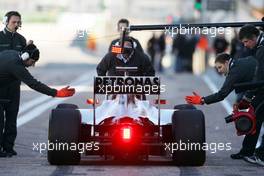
{"x":248,"y":35}
{"x":30,"y":55}
{"x":222,"y":63}
{"x":122,"y":23}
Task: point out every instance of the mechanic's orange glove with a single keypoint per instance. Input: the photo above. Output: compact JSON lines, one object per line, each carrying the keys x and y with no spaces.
{"x":195,"y":99}
{"x":65,"y":92}
{"x":243,"y":104}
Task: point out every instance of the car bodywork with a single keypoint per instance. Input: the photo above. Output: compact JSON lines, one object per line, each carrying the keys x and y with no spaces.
{"x":126,"y":127}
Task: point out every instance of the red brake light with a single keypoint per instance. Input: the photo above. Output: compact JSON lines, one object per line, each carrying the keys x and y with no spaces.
{"x":126,"y":133}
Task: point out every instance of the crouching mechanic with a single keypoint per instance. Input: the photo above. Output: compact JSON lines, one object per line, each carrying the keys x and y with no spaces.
{"x":12,"y":71}
{"x":236,"y":71}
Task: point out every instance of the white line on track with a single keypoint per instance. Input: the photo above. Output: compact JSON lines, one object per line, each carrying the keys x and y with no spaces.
{"x":227,"y":106}
{"x":31,"y":104}
{"x":37,"y":111}
{"x":80,"y":82}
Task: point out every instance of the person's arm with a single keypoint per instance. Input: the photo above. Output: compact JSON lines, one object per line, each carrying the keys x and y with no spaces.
{"x":103,"y":66}
{"x":232,"y":78}
{"x":21,"y":73}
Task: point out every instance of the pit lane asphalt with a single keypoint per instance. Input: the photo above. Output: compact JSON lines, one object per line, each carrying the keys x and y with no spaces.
{"x":32,"y":162}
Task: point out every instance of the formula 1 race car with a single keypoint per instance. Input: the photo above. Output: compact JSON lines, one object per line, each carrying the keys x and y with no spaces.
{"x":125,"y":127}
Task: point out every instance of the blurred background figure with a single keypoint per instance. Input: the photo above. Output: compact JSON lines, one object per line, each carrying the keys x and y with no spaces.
{"x":91,"y":42}
{"x":184,"y":47}
{"x":161,"y":50}
{"x":200,"y":58}
{"x":152,"y":48}
{"x":220,"y":44}
{"x":178,"y":52}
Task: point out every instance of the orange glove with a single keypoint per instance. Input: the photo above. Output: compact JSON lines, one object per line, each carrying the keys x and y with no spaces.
{"x":65,"y":92}
{"x":195,"y":99}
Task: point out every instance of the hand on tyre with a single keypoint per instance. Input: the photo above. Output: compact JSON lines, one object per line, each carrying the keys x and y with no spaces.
{"x":195,"y":99}
{"x":65,"y":92}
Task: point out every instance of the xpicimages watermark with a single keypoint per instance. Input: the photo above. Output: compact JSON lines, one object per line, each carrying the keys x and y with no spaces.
{"x":194,"y":146}
{"x":63,"y":146}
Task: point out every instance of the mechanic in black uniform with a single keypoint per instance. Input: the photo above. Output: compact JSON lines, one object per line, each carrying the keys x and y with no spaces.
{"x":9,"y":38}
{"x":130,"y":58}
{"x":12,"y":71}
{"x":253,"y":39}
{"x":125,"y":23}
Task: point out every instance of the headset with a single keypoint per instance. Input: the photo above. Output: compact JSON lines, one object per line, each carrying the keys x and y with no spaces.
{"x":8,"y":15}
{"x":29,"y":54}
{"x":25,"y":56}
{"x":5,"y":20}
